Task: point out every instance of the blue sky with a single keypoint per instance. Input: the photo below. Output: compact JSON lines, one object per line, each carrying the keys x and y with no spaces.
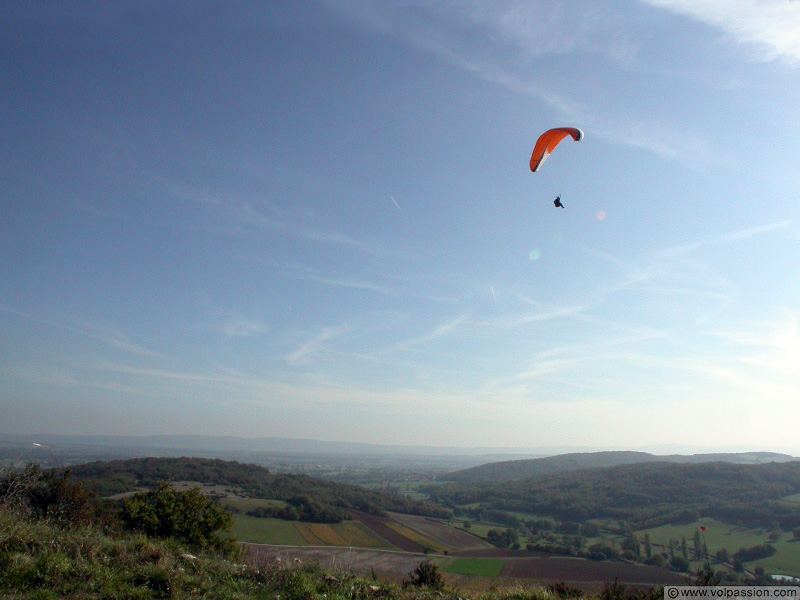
{"x":316,"y":220}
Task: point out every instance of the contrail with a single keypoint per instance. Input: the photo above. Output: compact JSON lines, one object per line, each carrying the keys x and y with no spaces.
{"x":493,"y":296}
{"x":396,"y":204}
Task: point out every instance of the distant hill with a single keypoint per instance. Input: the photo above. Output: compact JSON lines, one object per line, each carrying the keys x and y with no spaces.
{"x":517,"y":470}
{"x":739,"y":458}
{"x":514,"y":470}
{"x":116,"y":476}
{"x":644,"y":494}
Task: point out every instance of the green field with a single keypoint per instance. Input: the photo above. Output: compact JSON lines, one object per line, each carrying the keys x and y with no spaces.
{"x":786,"y":561}
{"x":266,"y":531}
{"x":477,"y":567}
{"x":717,"y":535}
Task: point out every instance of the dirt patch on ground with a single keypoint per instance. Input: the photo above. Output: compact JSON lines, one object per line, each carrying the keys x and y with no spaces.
{"x":582,"y":570}
{"x":390,"y":566}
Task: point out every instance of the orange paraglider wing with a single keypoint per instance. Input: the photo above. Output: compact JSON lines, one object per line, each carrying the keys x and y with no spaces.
{"x":548,"y":141}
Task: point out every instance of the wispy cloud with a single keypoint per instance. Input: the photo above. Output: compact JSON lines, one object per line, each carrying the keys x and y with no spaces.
{"x":113,"y":337}
{"x":101,"y":333}
{"x":160,"y":374}
{"x":442,"y":330}
{"x":566,"y":357}
{"x":68,"y":376}
{"x":17,"y":312}
{"x":304,"y":392}
{"x":681,"y":146}
{"x":772,"y":27}
{"x":772,"y":345}
{"x":528,"y":29}
{"x":734,"y":236}
{"x":528,"y":33}
{"x":240,"y":327}
{"x":304,"y":353}
{"x":244,"y":213}
{"x":355,"y":284}
{"x":537,"y":313}
{"x":749,"y":387}
{"x":417,"y":284}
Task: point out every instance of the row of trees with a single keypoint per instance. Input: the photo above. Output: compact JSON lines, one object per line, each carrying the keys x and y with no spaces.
{"x":301,"y":508}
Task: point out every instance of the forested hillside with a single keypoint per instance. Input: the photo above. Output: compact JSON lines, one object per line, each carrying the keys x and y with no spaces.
{"x":515,"y":470}
{"x":645,"y":495}
{"x":331,"y":500}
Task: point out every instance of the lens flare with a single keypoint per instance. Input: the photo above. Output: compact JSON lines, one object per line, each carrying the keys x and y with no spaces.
{"x":534,"y":254}
{"x":601,"y":215}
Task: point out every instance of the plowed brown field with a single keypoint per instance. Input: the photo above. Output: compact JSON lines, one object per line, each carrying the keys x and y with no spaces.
{"x":391,"y":566}
{"x":578,"y":569}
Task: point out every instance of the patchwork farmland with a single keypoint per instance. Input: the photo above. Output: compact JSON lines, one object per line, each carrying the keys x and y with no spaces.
{"x":465,"y":561}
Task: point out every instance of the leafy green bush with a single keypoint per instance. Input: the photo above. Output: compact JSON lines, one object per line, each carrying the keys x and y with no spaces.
{"x":189,"y":516}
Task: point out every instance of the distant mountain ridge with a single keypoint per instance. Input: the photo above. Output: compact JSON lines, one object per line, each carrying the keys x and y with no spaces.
{"x":519,"y":470}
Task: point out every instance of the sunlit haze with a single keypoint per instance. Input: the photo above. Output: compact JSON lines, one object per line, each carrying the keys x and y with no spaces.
{"x":317,"y":220}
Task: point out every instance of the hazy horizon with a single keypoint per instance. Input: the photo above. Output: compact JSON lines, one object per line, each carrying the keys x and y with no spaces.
{"x":316,"y":220}
{"x":232,"y":443}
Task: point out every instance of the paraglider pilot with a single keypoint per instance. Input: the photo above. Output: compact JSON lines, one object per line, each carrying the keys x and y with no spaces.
{"x":557,"y":202}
